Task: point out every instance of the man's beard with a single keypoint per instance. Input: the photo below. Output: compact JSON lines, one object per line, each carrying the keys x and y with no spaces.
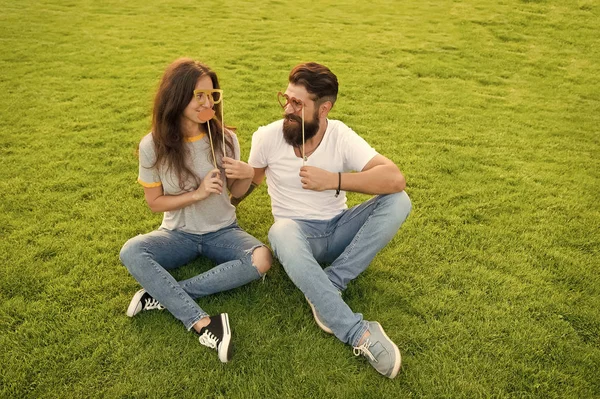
{"x":292,"y":131}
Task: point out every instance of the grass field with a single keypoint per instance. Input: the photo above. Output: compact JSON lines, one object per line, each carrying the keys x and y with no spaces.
{"x":490,"y":108}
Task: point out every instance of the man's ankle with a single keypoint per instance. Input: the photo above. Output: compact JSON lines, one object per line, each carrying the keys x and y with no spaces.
{"x":366,"y":335}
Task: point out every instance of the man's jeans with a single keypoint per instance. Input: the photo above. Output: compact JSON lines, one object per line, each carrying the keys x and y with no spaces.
{"x":349,"y":242}
{"x":149,"y":256}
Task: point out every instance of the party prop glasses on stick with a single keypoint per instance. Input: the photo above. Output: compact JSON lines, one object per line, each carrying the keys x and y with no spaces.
{"x":297,"y":105}
{"x":214,"y":96}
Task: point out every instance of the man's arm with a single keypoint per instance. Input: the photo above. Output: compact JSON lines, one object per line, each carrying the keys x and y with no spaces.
{"x":379,"y":176}
{"x":239,"y":176}
{"x":259,"y":175}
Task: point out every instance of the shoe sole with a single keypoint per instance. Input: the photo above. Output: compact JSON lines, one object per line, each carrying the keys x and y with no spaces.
{"x":225,"y":347}
{"x":396,"y":352}
{"x":135,"y":305}
{"x":317,"y":320}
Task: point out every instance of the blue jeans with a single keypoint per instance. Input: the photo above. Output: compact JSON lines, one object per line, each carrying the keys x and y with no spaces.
{"x":148,"y":258}
{"x":349,"y":242}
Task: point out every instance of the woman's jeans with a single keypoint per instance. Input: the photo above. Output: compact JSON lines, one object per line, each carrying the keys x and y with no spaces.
{"x":349,"y":242}
{"x":148,"y":258}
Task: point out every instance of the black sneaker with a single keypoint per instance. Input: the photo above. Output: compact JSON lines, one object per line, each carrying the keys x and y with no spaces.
{"x":217,"y":335}
{"x":142,"y":301}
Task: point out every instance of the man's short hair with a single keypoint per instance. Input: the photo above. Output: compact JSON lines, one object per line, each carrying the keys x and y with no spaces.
{"x":317,"y":79}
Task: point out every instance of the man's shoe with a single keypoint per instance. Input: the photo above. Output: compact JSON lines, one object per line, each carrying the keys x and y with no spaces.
{"x":142,"y":301}
{"x":381,"y":352}
{"x":217,"y":335}
{"x":317,"y":319}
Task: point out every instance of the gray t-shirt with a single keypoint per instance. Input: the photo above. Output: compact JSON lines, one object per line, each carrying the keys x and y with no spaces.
{"x":208,"y":215}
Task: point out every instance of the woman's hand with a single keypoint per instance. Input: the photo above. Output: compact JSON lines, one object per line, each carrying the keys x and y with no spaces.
{"x":211,"y":184}
{"x":237,"y":169}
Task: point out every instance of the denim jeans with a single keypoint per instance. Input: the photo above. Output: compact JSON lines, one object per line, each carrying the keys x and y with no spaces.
{"x":148,"y":257}
{"x":349,"y":242}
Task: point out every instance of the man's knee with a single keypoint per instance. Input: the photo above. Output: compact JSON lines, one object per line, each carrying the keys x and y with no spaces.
{"x":262,"y":259}
{"x":286,"y":237}
{"x":403,"y":203}
{"x":283,"y":230}
{"x":399,"y":204}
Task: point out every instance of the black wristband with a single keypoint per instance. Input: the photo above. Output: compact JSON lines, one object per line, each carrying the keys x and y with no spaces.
{"x":337,"y":192}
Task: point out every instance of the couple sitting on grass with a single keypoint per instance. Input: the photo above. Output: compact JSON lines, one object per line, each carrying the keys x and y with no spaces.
{"x":191,"y":160}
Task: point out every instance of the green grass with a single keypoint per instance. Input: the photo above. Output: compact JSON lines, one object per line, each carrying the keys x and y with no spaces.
{"x":491,"y":109}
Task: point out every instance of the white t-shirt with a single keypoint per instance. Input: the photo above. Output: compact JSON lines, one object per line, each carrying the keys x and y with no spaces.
{"x":212,"y":213}
{"x":342,"y":150}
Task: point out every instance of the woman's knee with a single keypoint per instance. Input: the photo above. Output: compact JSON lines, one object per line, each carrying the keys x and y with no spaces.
{"x":131,"y":252}
{"x":262,"y":259}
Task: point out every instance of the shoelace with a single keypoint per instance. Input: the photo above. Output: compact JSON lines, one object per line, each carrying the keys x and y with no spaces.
{"x":152,"y":303}
{"x":364,"y":350}
{"x":209,"y":339}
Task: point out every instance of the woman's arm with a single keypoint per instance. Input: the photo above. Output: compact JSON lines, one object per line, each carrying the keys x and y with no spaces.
{"x":159,"y":202}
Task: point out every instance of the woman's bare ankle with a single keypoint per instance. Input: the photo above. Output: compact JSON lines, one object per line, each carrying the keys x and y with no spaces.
{"x":200,"y":324}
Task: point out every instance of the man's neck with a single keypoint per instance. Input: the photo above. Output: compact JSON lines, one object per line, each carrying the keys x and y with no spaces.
{"x":314,"y":141}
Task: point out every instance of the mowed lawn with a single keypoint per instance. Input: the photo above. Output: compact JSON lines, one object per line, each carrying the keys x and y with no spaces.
{"x":491,"y":109}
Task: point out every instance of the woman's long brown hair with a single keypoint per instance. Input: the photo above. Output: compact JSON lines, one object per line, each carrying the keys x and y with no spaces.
{"x":174,"y":94}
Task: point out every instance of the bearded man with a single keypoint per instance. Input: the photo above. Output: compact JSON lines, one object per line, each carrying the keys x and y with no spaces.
{"x":310,"y":163}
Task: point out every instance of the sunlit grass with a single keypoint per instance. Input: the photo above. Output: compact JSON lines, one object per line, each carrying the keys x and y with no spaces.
{"x":491,"y":109}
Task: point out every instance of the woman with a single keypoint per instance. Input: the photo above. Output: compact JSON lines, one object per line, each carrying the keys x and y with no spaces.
{"x":186,"y":165}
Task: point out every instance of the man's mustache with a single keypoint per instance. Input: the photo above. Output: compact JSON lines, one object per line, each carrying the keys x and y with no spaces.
{"x":292,"y":117}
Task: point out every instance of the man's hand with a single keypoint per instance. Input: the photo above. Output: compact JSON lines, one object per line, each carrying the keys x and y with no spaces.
{"x":237,"y":169}
{"x":211,"y":184}
{"x":317,"y":179}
